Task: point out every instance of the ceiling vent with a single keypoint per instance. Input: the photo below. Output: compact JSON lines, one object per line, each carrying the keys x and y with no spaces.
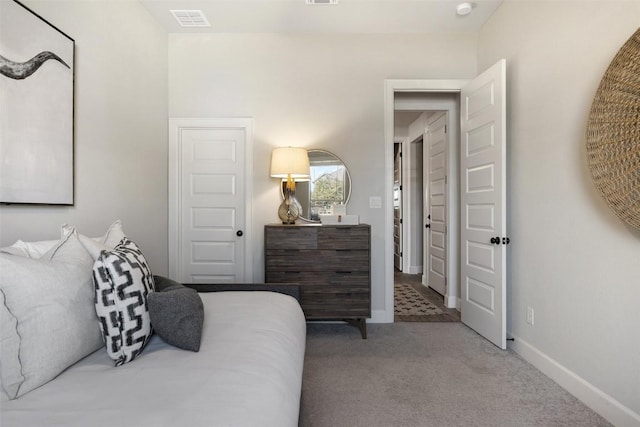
{"x":321,"y":1}
{"x":191,"y":18}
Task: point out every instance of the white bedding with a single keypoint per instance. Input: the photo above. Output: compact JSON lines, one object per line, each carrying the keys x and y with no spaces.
{"x":248,"y":372}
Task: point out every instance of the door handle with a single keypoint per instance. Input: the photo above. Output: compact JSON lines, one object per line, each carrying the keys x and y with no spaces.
{"x":239,"y":233}
{"x":427,"y":226}
{"x":497,"y":241}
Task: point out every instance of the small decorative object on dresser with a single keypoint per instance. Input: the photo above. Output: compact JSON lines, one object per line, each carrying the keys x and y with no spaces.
{"x":332,"y":265}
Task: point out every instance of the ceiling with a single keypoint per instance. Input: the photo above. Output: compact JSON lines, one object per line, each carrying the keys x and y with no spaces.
{"x":346,"y":17}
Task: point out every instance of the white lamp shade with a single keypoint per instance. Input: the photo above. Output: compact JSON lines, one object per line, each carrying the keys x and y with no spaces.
{"x":292,"y":161}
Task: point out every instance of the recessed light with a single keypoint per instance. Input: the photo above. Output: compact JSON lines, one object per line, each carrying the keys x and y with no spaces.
{"x":190,"y":18}
{"x":464,"y":9}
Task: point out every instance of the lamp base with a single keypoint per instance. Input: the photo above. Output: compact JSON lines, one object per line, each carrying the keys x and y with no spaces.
{"x":290,"y":208}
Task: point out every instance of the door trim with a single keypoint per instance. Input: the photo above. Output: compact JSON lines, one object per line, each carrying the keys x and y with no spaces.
{"x":175,"y":176}
{"x":391,"y":86}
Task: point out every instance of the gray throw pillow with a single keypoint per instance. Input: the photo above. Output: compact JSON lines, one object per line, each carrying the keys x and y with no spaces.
{"x":177,"y":314}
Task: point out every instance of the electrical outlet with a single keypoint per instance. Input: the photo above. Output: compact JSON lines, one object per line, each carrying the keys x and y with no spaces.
{"x":530,"y":318}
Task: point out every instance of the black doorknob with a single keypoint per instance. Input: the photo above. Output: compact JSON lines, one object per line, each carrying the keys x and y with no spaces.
{"x":427,"y":226}
{"x":495,"y":240}
{"x":239,"y":233}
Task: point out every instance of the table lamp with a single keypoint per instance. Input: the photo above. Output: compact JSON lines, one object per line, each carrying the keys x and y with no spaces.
{"x":290,"y":163}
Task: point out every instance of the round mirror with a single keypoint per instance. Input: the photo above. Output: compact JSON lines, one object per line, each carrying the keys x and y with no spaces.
{"x":329,"y":184}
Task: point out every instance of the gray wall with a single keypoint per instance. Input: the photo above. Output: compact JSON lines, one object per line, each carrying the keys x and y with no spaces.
{"x":571,"y":259}
{"x":120,"y":129}
{"x":314,"y":92}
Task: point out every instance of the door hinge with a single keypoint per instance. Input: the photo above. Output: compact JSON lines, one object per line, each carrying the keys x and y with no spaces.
{"x":400,"y":220}
{"x":401,"y":188}
{"x":400,"y":253}
{"x":445,"y":179}
{"x":445,"y":128}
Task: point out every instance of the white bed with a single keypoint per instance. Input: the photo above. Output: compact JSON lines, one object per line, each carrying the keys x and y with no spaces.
{"x":248,"y":372}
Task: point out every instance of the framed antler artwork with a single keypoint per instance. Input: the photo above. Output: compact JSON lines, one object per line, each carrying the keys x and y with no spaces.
{"x":36,"y":109}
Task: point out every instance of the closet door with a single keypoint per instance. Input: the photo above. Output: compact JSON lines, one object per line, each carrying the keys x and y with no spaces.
{"x":209,"y":203}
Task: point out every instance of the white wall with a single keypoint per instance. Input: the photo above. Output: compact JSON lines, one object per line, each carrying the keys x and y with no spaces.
{"x":315,"y":92}
{"x":120,"y":129}
{"x":571,"y":259}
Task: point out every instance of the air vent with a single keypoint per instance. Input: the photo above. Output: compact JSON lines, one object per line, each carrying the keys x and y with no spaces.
{"x":321,"y":1}
{"x":190,"y":18}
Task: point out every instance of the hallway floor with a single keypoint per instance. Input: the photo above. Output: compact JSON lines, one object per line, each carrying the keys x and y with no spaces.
{"x":434,"y":309}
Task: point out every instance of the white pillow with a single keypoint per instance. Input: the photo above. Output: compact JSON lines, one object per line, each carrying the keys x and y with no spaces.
{"x":95,"y":245}
{"x":30,"y":249}
{"x":122,"y":281}
{"x":48,"y":316}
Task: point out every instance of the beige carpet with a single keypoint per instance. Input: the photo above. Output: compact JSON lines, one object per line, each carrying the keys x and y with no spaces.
{"x":439,"y":374}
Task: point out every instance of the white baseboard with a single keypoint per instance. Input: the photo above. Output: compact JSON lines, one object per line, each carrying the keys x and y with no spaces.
{"x":605,"y":405}
{"x":458,"y":304}
{"x":450,"y":301}
{"x":414,"y":269}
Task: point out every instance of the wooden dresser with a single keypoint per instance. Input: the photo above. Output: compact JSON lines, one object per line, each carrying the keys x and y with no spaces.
{"x":331,"y":263}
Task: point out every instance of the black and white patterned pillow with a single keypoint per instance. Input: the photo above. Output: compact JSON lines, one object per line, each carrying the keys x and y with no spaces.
{"x":122,"y":282}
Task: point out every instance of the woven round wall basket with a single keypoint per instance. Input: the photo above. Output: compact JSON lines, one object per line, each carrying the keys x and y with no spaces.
{"x":613,"y":134}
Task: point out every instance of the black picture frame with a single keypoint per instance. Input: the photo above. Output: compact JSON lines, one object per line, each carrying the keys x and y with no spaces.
{"x":37,"y":69}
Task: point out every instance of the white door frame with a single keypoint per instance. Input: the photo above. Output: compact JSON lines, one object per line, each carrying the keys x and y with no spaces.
{"x":392,"y":86}
{"x":175,"y":174}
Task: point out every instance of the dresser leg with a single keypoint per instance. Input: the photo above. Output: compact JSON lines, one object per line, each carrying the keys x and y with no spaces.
{"x":361,"y":324}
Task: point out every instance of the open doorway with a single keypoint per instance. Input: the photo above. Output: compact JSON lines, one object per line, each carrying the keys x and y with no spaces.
{"x":426,"y":123}
{"x":421,"y":132}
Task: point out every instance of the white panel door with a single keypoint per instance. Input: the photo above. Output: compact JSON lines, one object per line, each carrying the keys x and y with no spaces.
{"x":211,"y":214}
{"x":483,"y":204}
{"x":436,"y":222}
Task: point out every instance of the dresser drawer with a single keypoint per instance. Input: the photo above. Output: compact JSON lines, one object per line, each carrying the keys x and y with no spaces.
{"x":320,"y":260}
{"x":322,"y":311}
{"x":291,"y":237}
{"x":331,"y":302}
{"x":344,"y":237}
{"x":319,"y":278}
